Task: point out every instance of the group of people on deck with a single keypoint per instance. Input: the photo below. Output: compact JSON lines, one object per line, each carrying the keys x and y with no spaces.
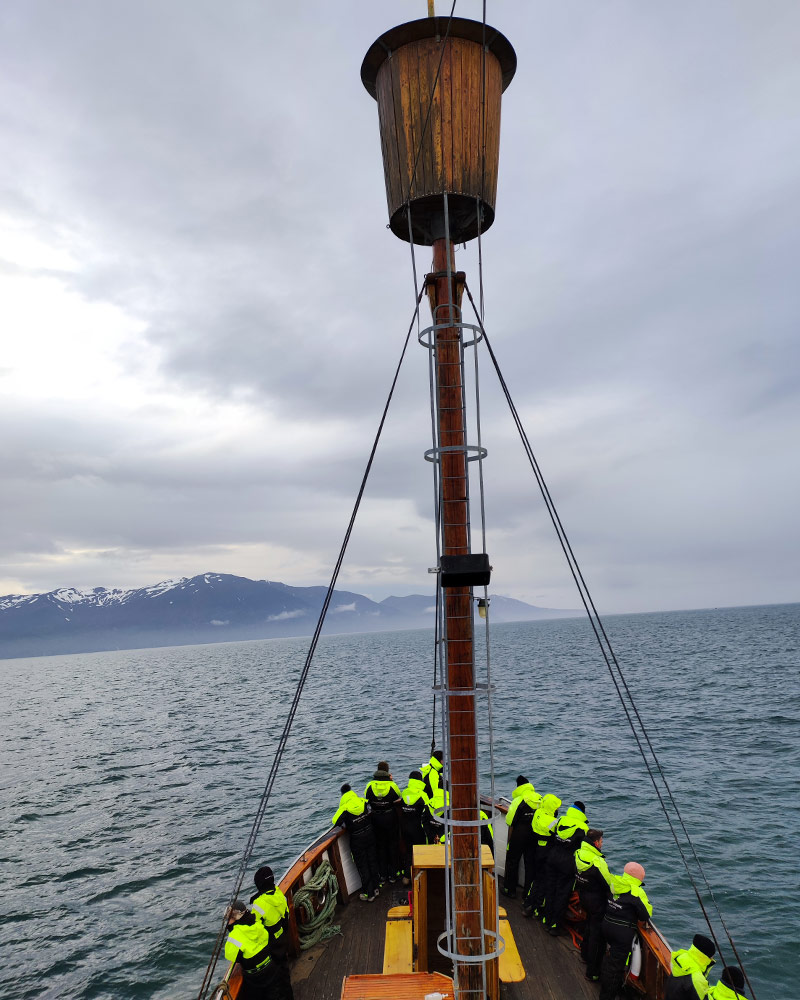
{"x":562,"y":853}
{"x":386,"y":822}
{"x":257,"y":939}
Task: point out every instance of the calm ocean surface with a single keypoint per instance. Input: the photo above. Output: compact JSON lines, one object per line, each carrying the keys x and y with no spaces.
{"x":129,"y":779}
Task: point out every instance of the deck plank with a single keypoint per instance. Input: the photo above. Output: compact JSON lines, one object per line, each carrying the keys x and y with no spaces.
{"x":553,"y":966}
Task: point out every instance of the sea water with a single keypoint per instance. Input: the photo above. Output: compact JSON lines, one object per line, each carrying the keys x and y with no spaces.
{"x":130,"y":779}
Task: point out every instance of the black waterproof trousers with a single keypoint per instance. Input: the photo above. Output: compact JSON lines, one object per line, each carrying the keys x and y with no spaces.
{"x":365,"y":856}
{"x":411,"y":835}
{"x":386,"y":843}
{"x":593,"y":944}
{"x":521,"y":846}
{"x":558,"y":883}
{"x":273,"y":983}
{"x":615,"y":964}
{"x":535,"y":897}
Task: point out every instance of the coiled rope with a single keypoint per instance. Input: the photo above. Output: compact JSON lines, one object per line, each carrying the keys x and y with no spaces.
{"x":317,"y":925}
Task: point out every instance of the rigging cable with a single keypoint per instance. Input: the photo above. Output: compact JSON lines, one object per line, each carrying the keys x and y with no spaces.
{"x":284,"y":737}
{"x":613,"y":665}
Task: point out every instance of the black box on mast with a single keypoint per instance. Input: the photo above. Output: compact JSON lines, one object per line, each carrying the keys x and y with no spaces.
{"x":471,"y":570}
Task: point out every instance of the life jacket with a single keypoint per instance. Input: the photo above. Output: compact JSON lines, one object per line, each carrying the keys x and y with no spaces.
{"x":570,"y":829}
{"x":432,"y":775}
{"x":352,"y":812}
{"x":525,"y":800}
{"x":629,"y":903}
{"x":382,"y":795}
{"x":592,"y":877}
{"x":273,"y":910}
{"x":544,"y":819}
{"x":248,"y":940}
{"x":721,"y":991}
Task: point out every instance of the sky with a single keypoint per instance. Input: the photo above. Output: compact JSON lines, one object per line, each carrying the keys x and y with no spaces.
{"x":202,"y":308}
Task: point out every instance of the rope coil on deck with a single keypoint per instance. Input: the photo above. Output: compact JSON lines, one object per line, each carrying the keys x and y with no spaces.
{"x":317,"y":925}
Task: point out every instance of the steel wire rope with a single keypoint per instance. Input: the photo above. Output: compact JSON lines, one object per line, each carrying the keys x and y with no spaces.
{"x":284,"y":737}
{"x":613,"y":664}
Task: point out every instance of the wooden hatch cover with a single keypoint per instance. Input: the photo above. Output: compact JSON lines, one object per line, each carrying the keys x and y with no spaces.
{"x":406,"y":986}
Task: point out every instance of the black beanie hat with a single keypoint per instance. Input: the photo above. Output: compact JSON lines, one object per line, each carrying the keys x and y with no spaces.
{"x":416,"y":774}
{"x":732,"y":976}
{"x":264,"y":879}
{"x":343,"y":789}
{"x":521,"y":780}
{"x":579,"y":805}
{"x":438,"y":755}
{"x":704,"y":944}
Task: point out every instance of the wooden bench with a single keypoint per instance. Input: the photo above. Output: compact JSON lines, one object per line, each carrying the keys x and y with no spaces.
{"x":511,"y":967}
{"x":398,"y":949}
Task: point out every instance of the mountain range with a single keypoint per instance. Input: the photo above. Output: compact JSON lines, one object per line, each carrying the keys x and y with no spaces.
{"x":213,"y":607}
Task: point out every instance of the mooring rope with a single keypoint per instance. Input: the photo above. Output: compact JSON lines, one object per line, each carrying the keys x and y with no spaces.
{"x":317,"y":926}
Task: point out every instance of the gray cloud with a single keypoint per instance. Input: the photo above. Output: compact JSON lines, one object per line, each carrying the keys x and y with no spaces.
{"x":217,"y":179}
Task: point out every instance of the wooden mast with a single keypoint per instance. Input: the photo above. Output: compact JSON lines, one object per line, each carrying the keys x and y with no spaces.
{"x":465,"y":842}
{"x":438,"y":83}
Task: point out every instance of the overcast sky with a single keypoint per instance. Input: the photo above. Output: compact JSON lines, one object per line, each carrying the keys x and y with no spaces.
{"x":201,"y":306}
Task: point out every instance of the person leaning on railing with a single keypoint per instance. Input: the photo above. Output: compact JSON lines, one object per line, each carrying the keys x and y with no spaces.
{"x":594,"y":882}
{"x":568,"y":834}
{"x":354,"y":816}
{"x":688,"y":979}
{"x":249,"y":943}
{"x":270,"y":906}
{"x":543,"y":823}
{"x":383,"y":796}
{"x":627,"y":906}
{"x":525,"y":800}
{"x":730,"y":982}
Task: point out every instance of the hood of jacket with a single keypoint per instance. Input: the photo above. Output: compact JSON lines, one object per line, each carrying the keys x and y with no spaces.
{"x":575,"y":817}
{"x":550,"y":803}
{"x":689,"y":960}
{"x":414,"y":785}
{"x":352,"y":803}
{"x":381,"y":788}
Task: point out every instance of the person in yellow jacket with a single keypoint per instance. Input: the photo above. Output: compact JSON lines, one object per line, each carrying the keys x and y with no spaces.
{"x":525,"y":800}
{"x":543,"y":822}
{"x":690,"y":967}
{"x":249,"y":943}
{"x":594,"y":883}
{"x":384,"y":797}
{"x":354,"y":816}
{"x":270,"y":905}
{"x":625,"y":909}
{"x":432,"y":773}
{"x":730,"y":983}
{"x":439,"y":799}
{"x":568,"y":834}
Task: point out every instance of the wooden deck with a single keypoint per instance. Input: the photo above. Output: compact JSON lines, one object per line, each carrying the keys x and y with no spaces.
{"x":553,"y":965}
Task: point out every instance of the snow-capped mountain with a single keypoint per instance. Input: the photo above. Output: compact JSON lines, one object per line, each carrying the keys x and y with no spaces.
{"x":213,"y":607}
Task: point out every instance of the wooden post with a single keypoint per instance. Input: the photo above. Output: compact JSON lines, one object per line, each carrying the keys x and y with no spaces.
{"x":463,"y":748}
